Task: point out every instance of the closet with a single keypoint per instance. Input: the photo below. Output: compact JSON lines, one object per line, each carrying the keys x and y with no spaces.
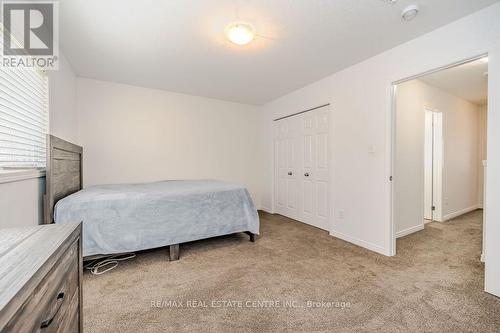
{"x":302,"y":167}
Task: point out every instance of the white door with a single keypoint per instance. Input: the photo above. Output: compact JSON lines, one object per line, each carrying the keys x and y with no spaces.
{"x":322,"y":173}
{"x":286,"y":150}
{"x":310,"y":169}
{"x":315,"y":169}
{"x":308,"y":174}
{"x":428,"y":164}
{"x":438,"y":164}
{"x":433,"y":164}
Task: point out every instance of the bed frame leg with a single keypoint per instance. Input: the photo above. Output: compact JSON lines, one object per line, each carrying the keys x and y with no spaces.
{"x":252,"y":236}
{"x":174,"y":252}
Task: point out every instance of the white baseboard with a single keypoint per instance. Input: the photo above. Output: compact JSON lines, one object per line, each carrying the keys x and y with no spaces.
{"x":460,"y":212}
{"x":408,"y":231}
{"x":360,"y":242}
{"x":266,"y":209}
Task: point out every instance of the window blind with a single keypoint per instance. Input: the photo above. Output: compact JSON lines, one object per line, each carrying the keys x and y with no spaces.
{"x":23,"y":118}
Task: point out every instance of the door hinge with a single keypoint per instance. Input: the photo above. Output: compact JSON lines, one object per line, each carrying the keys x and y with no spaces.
{"x":433,"y":207}
{"x":390,"y":178}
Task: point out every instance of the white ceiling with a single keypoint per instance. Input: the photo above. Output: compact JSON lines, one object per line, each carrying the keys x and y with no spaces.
{"x":465,"y":81}
{"x":178,"y":45}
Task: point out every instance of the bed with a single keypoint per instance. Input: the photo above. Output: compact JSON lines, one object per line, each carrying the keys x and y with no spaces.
{"x":124,"y":218}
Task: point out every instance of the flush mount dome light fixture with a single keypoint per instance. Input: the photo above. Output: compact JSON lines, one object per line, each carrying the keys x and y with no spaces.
{"x":240,"y":33}
{"x":410,"y":12}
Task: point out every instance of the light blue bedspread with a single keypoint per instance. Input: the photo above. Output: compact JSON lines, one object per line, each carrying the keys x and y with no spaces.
{"x":134,"y":217}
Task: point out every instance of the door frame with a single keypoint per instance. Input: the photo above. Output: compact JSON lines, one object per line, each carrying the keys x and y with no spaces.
{"x":331,"y":211}
{"x":393,"y":90}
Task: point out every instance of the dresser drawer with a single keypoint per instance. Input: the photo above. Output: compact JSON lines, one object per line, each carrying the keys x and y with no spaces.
{"x":53,"y":305}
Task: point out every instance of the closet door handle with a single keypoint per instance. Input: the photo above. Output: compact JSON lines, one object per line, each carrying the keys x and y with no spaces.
{"x":306,"y":174}
{"x":290,"y":173}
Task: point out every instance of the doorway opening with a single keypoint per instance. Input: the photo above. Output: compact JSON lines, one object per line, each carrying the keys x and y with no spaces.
{"x":439,"y":148}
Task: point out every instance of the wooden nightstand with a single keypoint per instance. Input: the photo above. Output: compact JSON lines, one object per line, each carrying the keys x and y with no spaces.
{"x":41,"y":279}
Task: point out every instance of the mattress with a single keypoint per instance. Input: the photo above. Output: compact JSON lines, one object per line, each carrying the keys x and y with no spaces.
{"x":133,"y":217}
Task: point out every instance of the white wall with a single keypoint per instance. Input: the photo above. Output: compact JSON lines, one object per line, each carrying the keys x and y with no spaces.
{"x":460,"y":167}
{"x":361,"y":104}
{"x":62,"y":92}
{"x":21,"y":202}
{"x":482,"y":123}
{"x":409,"y":156}
{"x":133,"y":134}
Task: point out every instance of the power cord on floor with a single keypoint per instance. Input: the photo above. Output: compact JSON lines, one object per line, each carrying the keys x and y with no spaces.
{"x":107,"y":263}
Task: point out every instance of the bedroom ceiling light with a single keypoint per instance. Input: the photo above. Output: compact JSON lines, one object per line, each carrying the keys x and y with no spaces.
{"x":410,"y":12}
{"x":240,"y":33}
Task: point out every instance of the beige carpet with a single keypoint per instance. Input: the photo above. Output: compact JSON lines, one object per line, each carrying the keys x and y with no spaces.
{"x":434,"y":284}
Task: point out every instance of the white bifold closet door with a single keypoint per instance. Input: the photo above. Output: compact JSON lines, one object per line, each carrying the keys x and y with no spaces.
{"x":302,"y":167}
{"x":287,"y":157}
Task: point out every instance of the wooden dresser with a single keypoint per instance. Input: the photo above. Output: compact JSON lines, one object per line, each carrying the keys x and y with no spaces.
{"x":41,"y":279}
